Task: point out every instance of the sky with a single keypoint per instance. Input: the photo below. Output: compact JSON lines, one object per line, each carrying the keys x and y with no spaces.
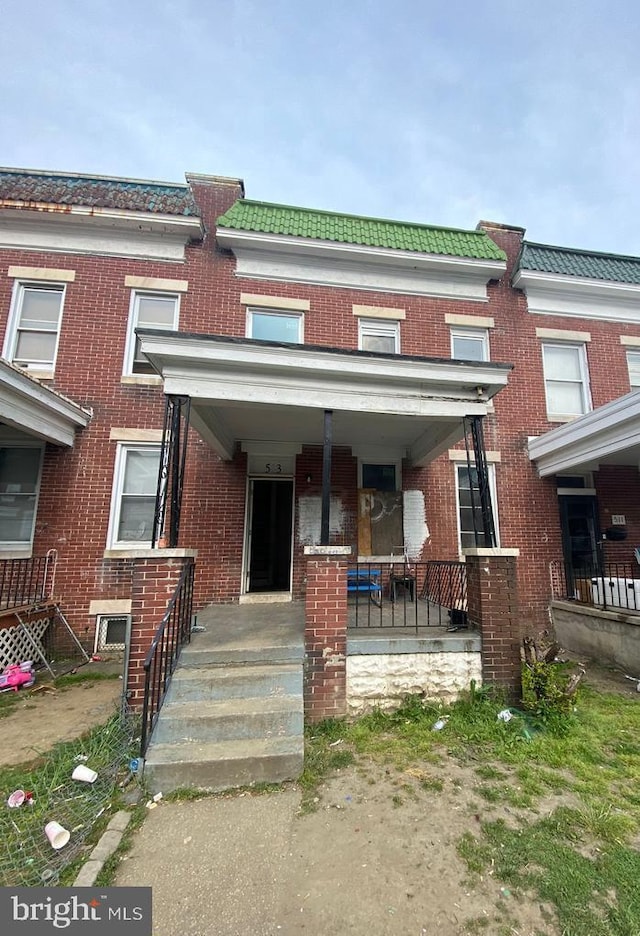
{"x":442,"y":112}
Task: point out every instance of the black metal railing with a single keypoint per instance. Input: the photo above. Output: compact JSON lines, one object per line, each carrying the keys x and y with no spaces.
{"x":25,"y":582}
{"x":161,"y":660}
{"x":407,"y":594}
{"x":602,"y":585}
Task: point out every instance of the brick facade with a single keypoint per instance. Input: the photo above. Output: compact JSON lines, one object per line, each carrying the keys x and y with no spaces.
{"x":75,"y":494}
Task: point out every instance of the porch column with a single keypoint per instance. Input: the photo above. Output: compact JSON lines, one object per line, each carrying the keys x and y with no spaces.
{"x":493,"y":607}
{"x":327,"y":442}
{"x":325,"y":633}
{"x":171,"y":471}
{"x":154,"y":578}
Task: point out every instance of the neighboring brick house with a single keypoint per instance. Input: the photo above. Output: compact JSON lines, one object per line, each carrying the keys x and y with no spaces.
{"x":267,"y":317}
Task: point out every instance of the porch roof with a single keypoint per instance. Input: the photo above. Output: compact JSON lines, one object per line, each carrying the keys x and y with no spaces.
{"x":608,"y":435}
{"x":246,"y":390}
{"x":28,"y":405}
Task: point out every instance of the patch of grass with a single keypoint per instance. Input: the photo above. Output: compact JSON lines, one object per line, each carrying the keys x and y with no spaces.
{"x":73,"y":679}
{"x":592,"y":896}
{"x":79,"y":807}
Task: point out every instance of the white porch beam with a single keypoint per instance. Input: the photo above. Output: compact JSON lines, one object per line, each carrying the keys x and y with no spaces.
{"x":214,"y":431}
{"x":602,"y":436}
{"x":27,"y":405}
{"x":434,"y":442}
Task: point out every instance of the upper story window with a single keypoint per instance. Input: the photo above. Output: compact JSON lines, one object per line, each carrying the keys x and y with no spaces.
{"x":271,"y":325}
{"x":470,"y":344}
{"x":34,"y":325}
{"x":20,"y":469}
{"x":633,"y":363}
{"x":379,"y":335}
{"x":148,"y":310}
{"x":134,"y":495}
{"x":566,"y":380}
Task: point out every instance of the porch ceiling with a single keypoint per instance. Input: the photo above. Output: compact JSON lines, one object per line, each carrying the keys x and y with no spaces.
{"x":247,"y":390}
{"x":29,"y":406}
{"x":610,"y":435}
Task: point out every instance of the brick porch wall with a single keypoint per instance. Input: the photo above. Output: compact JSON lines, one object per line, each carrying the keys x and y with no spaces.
{"x":325,"y":636}
{"x":493,"y":607}
{"x":154,"y":580}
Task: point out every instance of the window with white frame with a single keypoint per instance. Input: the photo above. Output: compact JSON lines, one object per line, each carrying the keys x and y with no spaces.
{"x":134,"y":495}
{"x":20,"y":470}
{"x":34,"y":325}
{"x":272,"y":325}
{"x":378,"y":335}
{"x":470,"y":344}
{"x":469,"y":508}
{"x":566,"y":380}
{"x":633,"y":363}
{"x":148,"y":310}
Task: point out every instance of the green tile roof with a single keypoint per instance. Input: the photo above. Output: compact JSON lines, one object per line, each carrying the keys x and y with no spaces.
{"x":587,"y":264}
{"x":266,"y":218}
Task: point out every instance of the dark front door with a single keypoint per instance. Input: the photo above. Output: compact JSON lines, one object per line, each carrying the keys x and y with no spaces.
{"x":270,"y":535}
{"x":580,"y":534}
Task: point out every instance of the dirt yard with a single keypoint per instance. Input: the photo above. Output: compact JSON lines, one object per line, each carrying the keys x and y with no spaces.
{"x":377,"y":856}
{"x":44,"y":716}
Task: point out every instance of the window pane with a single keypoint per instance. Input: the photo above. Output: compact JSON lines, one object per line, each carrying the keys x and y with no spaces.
{"x":379,"y":477}
{"x":562,"y":363}
{"x":565,"y":398}
{"x":275,"y":327}
{"x":37,"y":347}
{"x":633,"y":362}
{"x":40,"y":308}
{"x":136,"y":519}
{"x":141,"y":472}
{"x":467,"y":348}
{"x":384,"y":344}
{"x":19,"y":474}
{"x":16,"y":517}
{"x":19,"y":470}
{"x":156,"y":311}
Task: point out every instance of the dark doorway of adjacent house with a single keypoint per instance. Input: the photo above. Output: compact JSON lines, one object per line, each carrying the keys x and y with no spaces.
{"x":580,"y":534}
{"x":270,"y":535}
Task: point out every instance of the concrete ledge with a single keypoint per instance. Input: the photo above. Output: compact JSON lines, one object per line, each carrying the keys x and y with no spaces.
{"x":327,"y":550}
{"x":150,"y":553}
{"x":358,"y":646}
{"x":107,"y":845}
{"x":486,"y":551}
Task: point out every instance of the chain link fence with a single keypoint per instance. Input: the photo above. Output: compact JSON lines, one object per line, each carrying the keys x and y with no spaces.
{"x":27,"y":858}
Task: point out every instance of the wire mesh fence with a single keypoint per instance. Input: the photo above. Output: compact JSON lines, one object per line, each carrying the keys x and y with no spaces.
{"x":46,"y":792}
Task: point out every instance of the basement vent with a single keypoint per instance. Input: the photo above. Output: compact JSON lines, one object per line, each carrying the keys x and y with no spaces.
{"x":112,"y":631}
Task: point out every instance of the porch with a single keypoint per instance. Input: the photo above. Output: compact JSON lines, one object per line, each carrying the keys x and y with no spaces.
{"x":234,"y":710}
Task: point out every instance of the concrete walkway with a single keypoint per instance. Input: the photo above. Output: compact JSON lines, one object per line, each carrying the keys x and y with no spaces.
{"x":218,"y":866}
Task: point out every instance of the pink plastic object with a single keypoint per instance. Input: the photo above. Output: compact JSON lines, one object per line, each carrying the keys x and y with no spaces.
{"x":16,"y":677}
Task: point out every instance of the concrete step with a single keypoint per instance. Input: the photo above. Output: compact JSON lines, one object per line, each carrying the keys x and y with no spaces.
{"x":241,"y":652}
{"x":230,"y":719}
{"x":237,"y":681}
{"x":222,"y":765}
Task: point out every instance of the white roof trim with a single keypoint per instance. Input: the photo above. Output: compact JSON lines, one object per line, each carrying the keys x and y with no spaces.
{"x":560,"y":294}
{"x":605,"y":432}
{"x":37,"y":410}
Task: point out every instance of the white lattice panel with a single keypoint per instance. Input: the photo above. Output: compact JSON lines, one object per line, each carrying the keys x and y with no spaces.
{"x":15,"y":647}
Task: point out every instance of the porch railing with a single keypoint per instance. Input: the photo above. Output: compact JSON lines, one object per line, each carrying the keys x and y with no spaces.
{"x":173,"y":632}
{"x":407,"y":594}
{"x":603,"y":585}
{"x":25,"y":582}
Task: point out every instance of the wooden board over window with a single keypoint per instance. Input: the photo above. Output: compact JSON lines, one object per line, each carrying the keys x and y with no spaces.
{"x":379,"y":522}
